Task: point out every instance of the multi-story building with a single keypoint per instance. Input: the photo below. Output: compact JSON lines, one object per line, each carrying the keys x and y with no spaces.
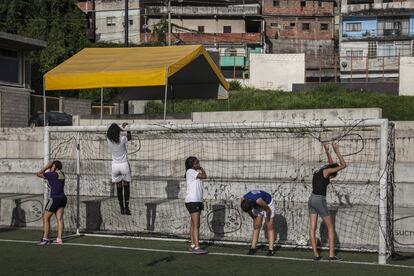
{"x":106,"y":19}
{"x":233,"y":28}
{"x":15,"y":78}
{"x":304,"y":26}
{"x":374,"y":35}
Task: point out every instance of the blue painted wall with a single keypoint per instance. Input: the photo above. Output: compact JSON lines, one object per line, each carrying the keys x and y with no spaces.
{"x":368,"y":24}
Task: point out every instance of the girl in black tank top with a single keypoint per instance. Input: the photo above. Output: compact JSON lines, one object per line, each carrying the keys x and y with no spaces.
{"x":320,"y":183}
{"x":317,"y":201}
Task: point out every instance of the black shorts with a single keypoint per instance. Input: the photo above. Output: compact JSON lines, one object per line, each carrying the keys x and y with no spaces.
{"x":55,"y":203}
{"x":193,"y":207}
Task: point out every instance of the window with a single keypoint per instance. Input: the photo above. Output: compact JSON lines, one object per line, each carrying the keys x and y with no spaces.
{"x":372,"y":49}
{"x":324,"y":26}
{"x":392,"y":28}
{"x":200,"y":29}
{"x":386,"y":49}
{"x":131,"y":22}
{"x":11,"y":69}
{"x":403,"y":48}
{"x":320,"y":3}
{"x":353,"y":27}
{"x":303,"y":3}
{"x":110,"y":21}
{"x":274,"y":25}
{"x":292,"y":24}
{"x":305,"y":26}
{"x":354,"y":53}
{"x":227,"y":29}
{"x":276,"y":3}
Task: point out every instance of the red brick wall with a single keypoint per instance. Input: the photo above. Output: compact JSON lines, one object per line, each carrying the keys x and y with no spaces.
{"x":293,"y":7}
{"x":284,"y":29}
{"x":193,"y":38}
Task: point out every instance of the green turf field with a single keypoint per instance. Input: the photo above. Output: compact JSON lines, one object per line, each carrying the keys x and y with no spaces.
{"x":20,"y":255}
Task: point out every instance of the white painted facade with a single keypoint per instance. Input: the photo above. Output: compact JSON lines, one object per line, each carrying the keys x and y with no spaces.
{"x":211,"y":26}
{"x":276,"y":71}
{"x":110,"y":21}
{"x":406,"y":76}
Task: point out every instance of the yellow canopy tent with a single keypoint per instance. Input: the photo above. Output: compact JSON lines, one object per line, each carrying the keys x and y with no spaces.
{"x":141,"y":73}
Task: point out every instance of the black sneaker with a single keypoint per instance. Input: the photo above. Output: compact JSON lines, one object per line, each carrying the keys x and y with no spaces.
{"x":122,"y":211}
{"x":252,"y":251}
{"x":335,"y":258}
{"x":317,"y":258}
{"x":270,"y":252}
{"x":127,"y":211}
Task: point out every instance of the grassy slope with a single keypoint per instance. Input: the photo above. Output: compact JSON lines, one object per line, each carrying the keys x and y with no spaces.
{"x":394,"y":108}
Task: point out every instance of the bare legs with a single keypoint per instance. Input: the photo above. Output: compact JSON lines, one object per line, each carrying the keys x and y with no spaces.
{"x":59,"y":221}
{"x":270,"y":232}
{"x":257,"y":224}
{"x":46,"y":224}
{"x":195,"y":229}
{"x":313,"y":219}
{"x":331,"y":235}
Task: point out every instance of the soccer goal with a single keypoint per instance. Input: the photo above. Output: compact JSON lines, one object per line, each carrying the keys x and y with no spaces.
{"x":278,"y":157}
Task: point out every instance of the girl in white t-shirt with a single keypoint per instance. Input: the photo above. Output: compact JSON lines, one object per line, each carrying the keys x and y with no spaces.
{"x":121,"y":171}
{"x":194,"y":173}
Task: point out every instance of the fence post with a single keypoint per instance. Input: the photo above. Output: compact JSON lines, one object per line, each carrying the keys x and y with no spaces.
{"x":351,"y":65}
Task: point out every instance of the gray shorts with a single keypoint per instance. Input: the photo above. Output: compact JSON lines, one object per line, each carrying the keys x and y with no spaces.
{"x":317,"y":205}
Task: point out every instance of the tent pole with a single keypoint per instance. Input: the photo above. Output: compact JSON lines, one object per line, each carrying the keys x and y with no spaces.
{"x":101,"y":104}
{"x":165,"y":94}
{"x":44,"y":103}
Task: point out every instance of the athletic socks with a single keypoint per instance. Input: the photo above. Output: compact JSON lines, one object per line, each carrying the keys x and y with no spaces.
{"x":126,"y":196}
{"x":120,"y":199}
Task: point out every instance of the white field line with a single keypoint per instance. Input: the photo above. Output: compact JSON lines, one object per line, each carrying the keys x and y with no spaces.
{"x":215,"y":242}
{"x":211,"y":253}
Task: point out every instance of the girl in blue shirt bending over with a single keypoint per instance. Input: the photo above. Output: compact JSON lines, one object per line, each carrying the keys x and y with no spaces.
{"x":259,"y":204}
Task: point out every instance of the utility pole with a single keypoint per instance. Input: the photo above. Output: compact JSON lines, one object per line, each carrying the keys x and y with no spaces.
{"x":126,"y":23}
{"x":169,"y":22}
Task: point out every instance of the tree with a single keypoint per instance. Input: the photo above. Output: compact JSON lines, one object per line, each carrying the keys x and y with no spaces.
{"x":58,"y":22}
{"x":160,"y":30}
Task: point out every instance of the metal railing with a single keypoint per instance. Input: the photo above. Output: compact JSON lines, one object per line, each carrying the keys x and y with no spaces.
{"x":382,"y":33}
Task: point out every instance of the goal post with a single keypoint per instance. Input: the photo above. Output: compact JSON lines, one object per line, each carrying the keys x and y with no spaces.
{"x":277,"y":156}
